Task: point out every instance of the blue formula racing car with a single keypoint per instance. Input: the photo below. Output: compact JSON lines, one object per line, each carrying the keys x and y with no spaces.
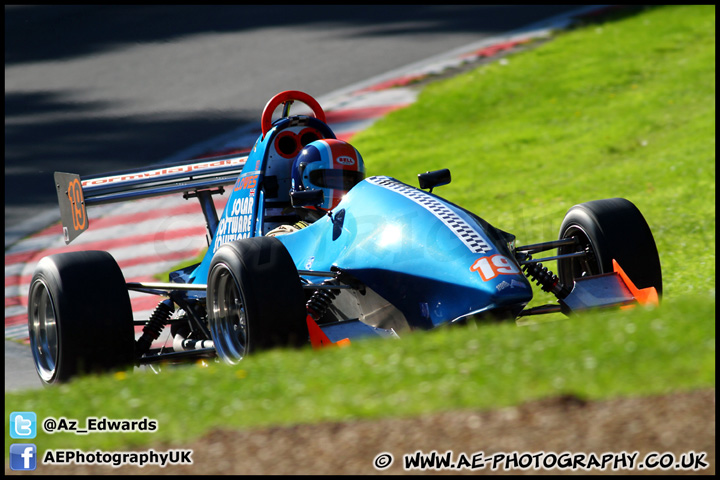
{"x":308,"y":250}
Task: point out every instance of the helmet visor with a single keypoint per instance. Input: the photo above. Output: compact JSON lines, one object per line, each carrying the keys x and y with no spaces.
{"x":336,"y":179}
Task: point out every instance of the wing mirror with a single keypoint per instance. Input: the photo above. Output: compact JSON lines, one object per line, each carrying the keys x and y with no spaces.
{"x":436,"y":178}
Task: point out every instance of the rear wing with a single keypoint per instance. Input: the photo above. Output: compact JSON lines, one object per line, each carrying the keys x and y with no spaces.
{"x":76,"y":193}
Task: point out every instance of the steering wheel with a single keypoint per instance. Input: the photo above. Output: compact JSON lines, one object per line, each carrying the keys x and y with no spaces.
{"x":285,"y":97}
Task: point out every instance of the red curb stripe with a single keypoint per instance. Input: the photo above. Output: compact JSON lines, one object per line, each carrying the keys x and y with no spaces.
{"x":396,"y":82}
{"x":354,"y":114}
{"x":111,"y":220}
{"x":24,"y":257}
{"x":494,"y":49}
{"x":15,"y":320}
{"x":148,"y":302}
{"x":139,"y":304}
{"x":13,"y":301}
{"x":408,"y":79}
{"x":346,"y":137}
{"x":172,"y":256}
{"x":332,"y":117}
{"x":14,"y":280}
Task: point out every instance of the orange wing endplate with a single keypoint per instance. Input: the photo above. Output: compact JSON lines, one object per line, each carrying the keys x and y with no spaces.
{"x":644,"y":296}
{"x":318,"y":339}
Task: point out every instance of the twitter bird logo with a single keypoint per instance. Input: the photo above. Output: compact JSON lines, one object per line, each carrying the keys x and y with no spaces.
{"x":23,"y":425}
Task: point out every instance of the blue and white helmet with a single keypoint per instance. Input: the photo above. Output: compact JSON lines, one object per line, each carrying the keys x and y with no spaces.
{"x":330,"y":165}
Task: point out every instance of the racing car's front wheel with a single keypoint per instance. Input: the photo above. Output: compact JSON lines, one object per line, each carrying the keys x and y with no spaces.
{"x":79,"y":316}
{"x":254,"y":298}
{"x":606,"y":230}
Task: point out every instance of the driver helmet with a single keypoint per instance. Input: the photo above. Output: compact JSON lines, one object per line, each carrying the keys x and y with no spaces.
{"x":330,"y":165}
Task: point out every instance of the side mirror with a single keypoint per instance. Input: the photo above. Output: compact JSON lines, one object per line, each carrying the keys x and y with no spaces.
{"x":433,"y":179}
{"x":307,"y":198}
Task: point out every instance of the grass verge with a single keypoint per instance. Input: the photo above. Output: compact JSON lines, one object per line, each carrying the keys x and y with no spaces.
{"x":599,"y":355}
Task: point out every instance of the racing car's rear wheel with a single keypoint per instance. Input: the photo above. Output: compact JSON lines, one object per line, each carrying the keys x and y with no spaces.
{"x":606,"y":230}
{"x":254,"y":298}
{"x":79,"y":316}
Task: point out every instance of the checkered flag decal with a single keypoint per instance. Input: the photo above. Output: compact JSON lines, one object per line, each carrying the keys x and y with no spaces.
{"x":467,"y":234}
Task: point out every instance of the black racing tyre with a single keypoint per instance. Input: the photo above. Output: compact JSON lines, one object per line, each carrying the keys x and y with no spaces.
{"x":254,"y":298}
{"x":606,"y":230}
{"x":79,"y":316}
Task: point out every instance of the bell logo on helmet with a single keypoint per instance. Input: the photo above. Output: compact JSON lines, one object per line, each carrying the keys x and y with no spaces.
{"x":330,"y":165}
{"x":345,"y":160}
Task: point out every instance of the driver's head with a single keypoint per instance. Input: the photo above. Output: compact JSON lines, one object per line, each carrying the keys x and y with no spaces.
{"x":330,"y":165}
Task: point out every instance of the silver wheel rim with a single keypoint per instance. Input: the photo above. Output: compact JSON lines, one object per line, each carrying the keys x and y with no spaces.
{"x":584,"y":266}
{"x":43,"y":330}
{"x":228,"y":317}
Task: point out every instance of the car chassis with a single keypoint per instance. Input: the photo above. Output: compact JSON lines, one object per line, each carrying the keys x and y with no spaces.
{"x":213,"y":310}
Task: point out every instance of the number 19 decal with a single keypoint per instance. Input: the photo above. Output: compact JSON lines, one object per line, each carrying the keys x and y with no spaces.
{"x":491,"y":267}
{"x":75,"y":196}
